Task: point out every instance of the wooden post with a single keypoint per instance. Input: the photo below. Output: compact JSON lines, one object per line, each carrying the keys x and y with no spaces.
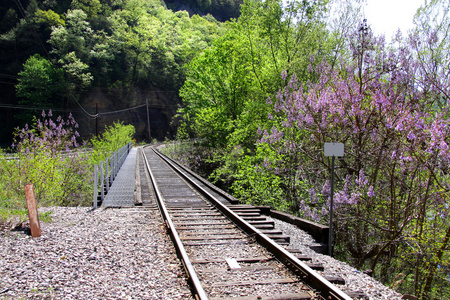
{"x":32,"y":211}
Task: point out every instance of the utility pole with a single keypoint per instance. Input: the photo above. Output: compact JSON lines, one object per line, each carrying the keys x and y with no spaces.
{"x":148,"y":121}
{"x":96,"y":119}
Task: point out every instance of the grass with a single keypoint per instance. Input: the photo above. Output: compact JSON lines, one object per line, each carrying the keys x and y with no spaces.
{"x":11,"y":214}
{"x":7,"y":214}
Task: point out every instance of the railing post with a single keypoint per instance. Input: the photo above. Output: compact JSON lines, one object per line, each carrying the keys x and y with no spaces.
{"x":113,"y":168}
{"x":95,"y":203}
{"x":107,"y":175}
{"x":111,"y":165}
{"x":124,"y":155}
{"x":114,"y":165}
{"x":102,"y":180}
{"x":117,"y":163}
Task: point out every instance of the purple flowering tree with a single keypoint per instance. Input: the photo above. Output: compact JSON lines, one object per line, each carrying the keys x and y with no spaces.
{"x":48,"y":159}
{"x":392,"y":183}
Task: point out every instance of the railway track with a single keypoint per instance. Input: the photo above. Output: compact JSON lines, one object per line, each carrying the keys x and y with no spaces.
{"x":229,"y":251}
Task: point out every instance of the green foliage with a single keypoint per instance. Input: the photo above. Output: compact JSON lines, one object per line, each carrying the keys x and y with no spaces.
{"x":38,"y":82}
{"x":72,"y":44}
{"x":14,"y":212}
{"x":121,"y":47}
{"x":90,"y":7}
{"x":219,"y":77}
{"x":39,"y":85}
{"x":9,"y":207}
{"x":227,"y":84}
{"x":253,"y":182}
{"x":222,"y":10}
{"x":9,"y":20}
{"x":182,"y":132}
{"x":49,"y":18}
{"x":191,"y":154}
{"x":76,"y":71}
{"x":113,"y":138}
{"x":155,"y":43}
{"x":58,"y":178}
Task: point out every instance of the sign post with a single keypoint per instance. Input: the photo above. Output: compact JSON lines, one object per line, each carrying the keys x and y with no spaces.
{"x":333,"y":150}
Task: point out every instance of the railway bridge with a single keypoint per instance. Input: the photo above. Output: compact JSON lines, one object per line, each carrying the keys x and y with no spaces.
{"x":229,"y":250}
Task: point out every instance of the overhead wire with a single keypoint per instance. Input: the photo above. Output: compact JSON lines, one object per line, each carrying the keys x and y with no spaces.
{"x":82,"y":108}
{"x":121,"y":110}
{"x":4,"y":82}
{"x":9,"y":76}
{"x":11,"y":106}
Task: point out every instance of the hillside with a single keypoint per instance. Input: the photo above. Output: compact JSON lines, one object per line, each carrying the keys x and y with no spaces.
{"x":221,"y":10}
{"x":90,"y":57}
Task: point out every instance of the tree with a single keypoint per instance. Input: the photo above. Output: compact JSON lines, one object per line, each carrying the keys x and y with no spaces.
{"x":218,"y":85}
{"x":232,"y":79}
{"x":49,"y":18}
{"x":342,"y":18}
{"x":77,"y":74}
{"x":283,"y":37}
{"x":430,"y":49}
{"x":9,"y":20}
{"x":135,"y":30}
{"x":76,"y":36}
{"x":77,"y":47}
{"x":392,"y":184}
{"x":90,"y":7}
{"x":39,"y":85}
{"x":155,"y":43}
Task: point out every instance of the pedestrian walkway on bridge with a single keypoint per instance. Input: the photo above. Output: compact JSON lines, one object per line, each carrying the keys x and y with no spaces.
{"x":121,"y":192}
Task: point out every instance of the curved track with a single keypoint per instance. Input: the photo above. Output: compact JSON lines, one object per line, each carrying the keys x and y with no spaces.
{"x":223,"y":247}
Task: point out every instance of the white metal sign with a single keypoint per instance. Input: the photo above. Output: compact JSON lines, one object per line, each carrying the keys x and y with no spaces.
{"x":334,"y":149}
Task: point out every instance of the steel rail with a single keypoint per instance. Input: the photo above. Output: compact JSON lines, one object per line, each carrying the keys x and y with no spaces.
{"x":315,"y":280}
{"x":192,"y":275}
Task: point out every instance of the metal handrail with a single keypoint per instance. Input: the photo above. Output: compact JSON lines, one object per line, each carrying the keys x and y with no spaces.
{"x":63,"y":153}
{"x":106,"y":171}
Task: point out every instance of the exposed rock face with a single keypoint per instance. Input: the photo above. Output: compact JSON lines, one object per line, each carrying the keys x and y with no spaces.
{"x":221,"y":10}
{"x":129,"y":107}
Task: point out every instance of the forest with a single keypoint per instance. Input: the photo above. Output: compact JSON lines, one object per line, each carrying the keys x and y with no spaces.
{"x":93,"y":58}
{"x":249,"y":92}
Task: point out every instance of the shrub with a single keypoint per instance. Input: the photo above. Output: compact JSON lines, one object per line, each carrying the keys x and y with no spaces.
{"x":114,"y":137}
{"x":46,"y":157}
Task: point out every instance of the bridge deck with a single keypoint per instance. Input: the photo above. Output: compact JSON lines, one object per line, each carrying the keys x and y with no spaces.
{"x":121,"y":193}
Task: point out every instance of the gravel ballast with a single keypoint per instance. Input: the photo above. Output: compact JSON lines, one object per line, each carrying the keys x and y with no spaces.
{"x":104,"y":254}
{"x":122,"y":254}
{"x":355,"y":280}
